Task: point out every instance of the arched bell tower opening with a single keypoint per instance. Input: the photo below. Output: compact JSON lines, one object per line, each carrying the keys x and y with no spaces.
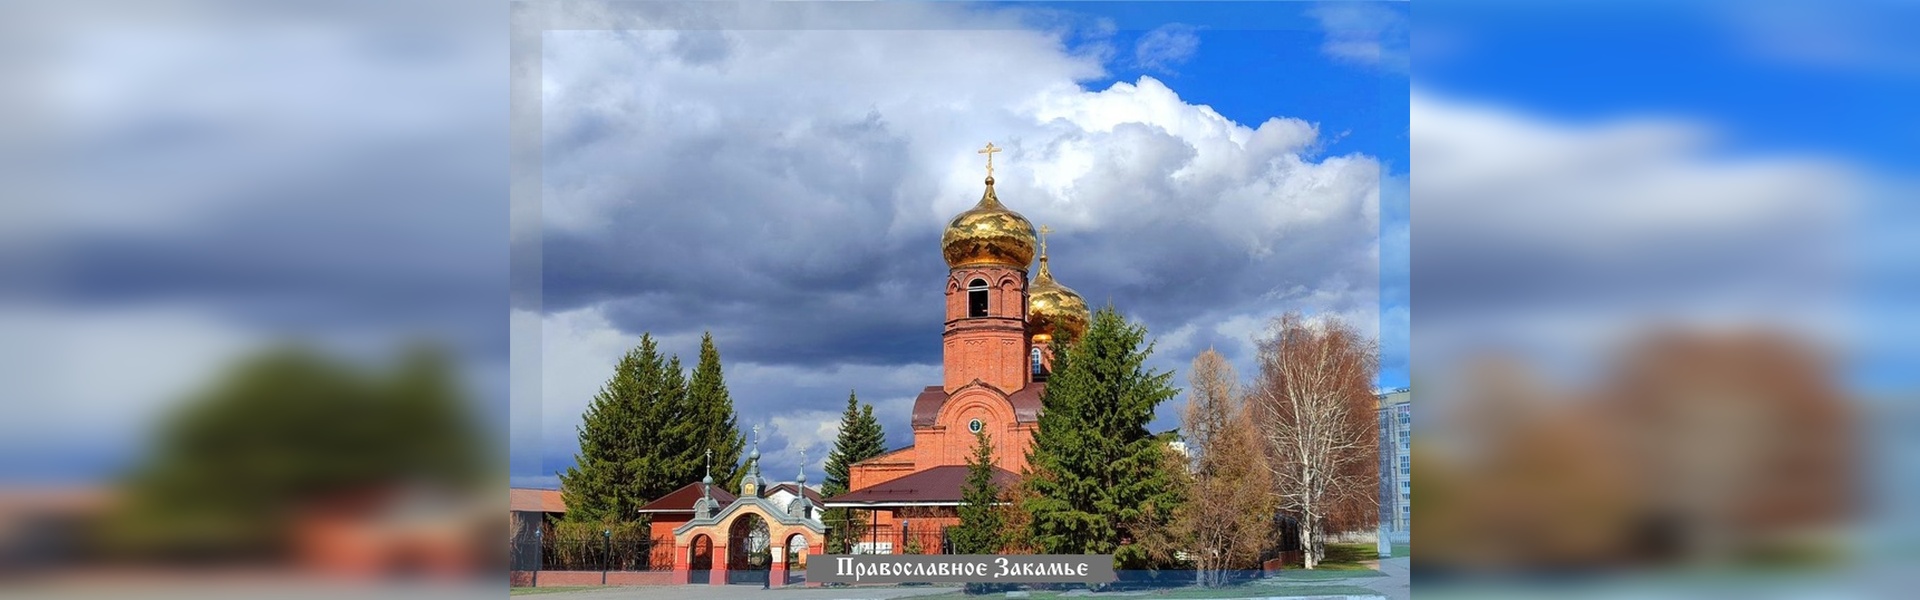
{"x":977,"y":298}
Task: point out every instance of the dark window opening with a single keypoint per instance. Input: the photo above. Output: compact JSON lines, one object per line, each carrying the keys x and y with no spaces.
{"x":977,"y":298}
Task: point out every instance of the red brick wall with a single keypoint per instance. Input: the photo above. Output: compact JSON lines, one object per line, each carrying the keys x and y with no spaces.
{"x":663,"y":524}
{"x":992,"y":349}
{"x":587,"y":578}
{"x":883,"y":468}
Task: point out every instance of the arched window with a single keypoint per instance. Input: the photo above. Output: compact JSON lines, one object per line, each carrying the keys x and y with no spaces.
{"x":977,"y":298}
{"x":1036,"y":361}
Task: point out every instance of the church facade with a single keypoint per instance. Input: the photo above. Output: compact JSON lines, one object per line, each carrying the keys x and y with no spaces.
{"x":1001,"y":321}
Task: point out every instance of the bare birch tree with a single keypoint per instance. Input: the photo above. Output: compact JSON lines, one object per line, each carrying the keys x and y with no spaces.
{"x":1315,"y":404}
{"x":1229,"y":508}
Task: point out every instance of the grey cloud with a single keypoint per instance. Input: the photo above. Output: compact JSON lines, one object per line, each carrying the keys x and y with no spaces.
{"x":796,"y":211}
{"x":702,"y":47}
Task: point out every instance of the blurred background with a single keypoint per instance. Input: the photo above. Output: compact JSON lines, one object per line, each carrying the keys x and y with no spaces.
{"x":255,"y":280}
{"x":1663,"y":273}
{"x":254,"y":317}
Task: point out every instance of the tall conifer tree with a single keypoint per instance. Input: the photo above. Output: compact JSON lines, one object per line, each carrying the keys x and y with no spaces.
{"x":604,"y":483}
{"x":718,"y":426}
{"x":982,"y":526}
{"x":861,"y":438}
{"x":1100,"y":476}
{"x":670,"y":439}
{"x":636,"y":442}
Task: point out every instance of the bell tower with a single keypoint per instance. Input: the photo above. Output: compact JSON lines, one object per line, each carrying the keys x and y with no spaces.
{"x":1052,"y":310}
{"x":987,"y":248}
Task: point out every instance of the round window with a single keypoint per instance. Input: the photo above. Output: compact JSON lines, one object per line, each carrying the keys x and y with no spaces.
{"x":975,"y":426}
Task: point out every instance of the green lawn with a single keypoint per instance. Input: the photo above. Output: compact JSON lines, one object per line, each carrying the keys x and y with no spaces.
{"x":529,"y":591}
{"x":1343,"y":561}
{"x":1349,"y":554}
{"x":1324,"y":574}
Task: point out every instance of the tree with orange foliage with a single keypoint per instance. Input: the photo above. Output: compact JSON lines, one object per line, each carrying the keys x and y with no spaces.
{"x":1314,"y":403}
{"x":1228,"y":510}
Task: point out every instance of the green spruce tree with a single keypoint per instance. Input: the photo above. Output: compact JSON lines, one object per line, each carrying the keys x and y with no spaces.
{"x":284,"y":427}
{"x":1100,"y":475}
{"x":718,"y":427}
{"x":600,"y":486}
{"x":861,"y":438}
{"x":982,"y":525}
{"x":673,"y":455}
{"x":634,"y":446}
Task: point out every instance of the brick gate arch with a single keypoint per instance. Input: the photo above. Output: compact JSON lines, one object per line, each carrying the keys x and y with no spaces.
{"x":782,"y":527}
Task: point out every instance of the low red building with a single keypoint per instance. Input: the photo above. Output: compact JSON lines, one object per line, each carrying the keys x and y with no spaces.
{"x":532,"y":507}
{"x":676,"y":508}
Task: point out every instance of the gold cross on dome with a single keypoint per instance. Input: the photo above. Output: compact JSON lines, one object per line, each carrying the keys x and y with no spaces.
{"x":989,"y":150}
{"x":1044,"y":230}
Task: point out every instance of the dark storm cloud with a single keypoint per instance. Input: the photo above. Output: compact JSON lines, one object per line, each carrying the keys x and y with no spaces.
{"x":363,"y":242}
{"x":734,"y":216}
{"x":781,"y":247}
{"x":817,"y":245}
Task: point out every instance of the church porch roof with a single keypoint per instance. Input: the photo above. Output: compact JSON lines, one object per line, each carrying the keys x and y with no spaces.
{"x":938,"y":486}
{"x":681,"y":500}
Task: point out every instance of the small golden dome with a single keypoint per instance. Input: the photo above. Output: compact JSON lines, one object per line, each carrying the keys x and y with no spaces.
{"x":1054,"y":309}
{"x":988,"y":234}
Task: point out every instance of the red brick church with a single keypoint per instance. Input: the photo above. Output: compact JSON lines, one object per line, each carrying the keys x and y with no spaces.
{"x":1000,"y":325}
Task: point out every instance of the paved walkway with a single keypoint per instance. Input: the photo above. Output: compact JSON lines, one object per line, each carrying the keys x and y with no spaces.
{"x":1395,"y":586}
{"x":736,"y":592}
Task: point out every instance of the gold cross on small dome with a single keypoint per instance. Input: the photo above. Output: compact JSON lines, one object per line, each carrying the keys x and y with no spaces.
{"x":1044,"y":230}
{"x":989,"y":150}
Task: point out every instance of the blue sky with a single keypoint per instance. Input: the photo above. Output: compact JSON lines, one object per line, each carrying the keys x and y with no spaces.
{"x":255,"y":148}
{"x":1253,"y":61}
{"x":1795,"y":77}
{"x":1725,"y":93}
{"x":1207,"y":167}
{"x":1259,"y":60}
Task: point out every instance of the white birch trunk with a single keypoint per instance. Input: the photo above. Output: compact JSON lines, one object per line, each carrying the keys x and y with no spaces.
{"x":1309,"y":379}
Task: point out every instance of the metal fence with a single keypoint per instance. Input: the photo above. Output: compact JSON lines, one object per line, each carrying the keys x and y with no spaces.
{"x":538,"y":553}
{"x":911,"y":540}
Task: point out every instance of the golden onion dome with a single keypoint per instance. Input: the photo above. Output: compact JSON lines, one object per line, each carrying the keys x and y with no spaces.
{"x":1053,"y":309}
{"x":988,"y":234}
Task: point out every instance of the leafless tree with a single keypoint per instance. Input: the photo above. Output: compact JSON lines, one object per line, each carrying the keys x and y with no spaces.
{"x":1315,"y":408}
{"x":1229,"y":508}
